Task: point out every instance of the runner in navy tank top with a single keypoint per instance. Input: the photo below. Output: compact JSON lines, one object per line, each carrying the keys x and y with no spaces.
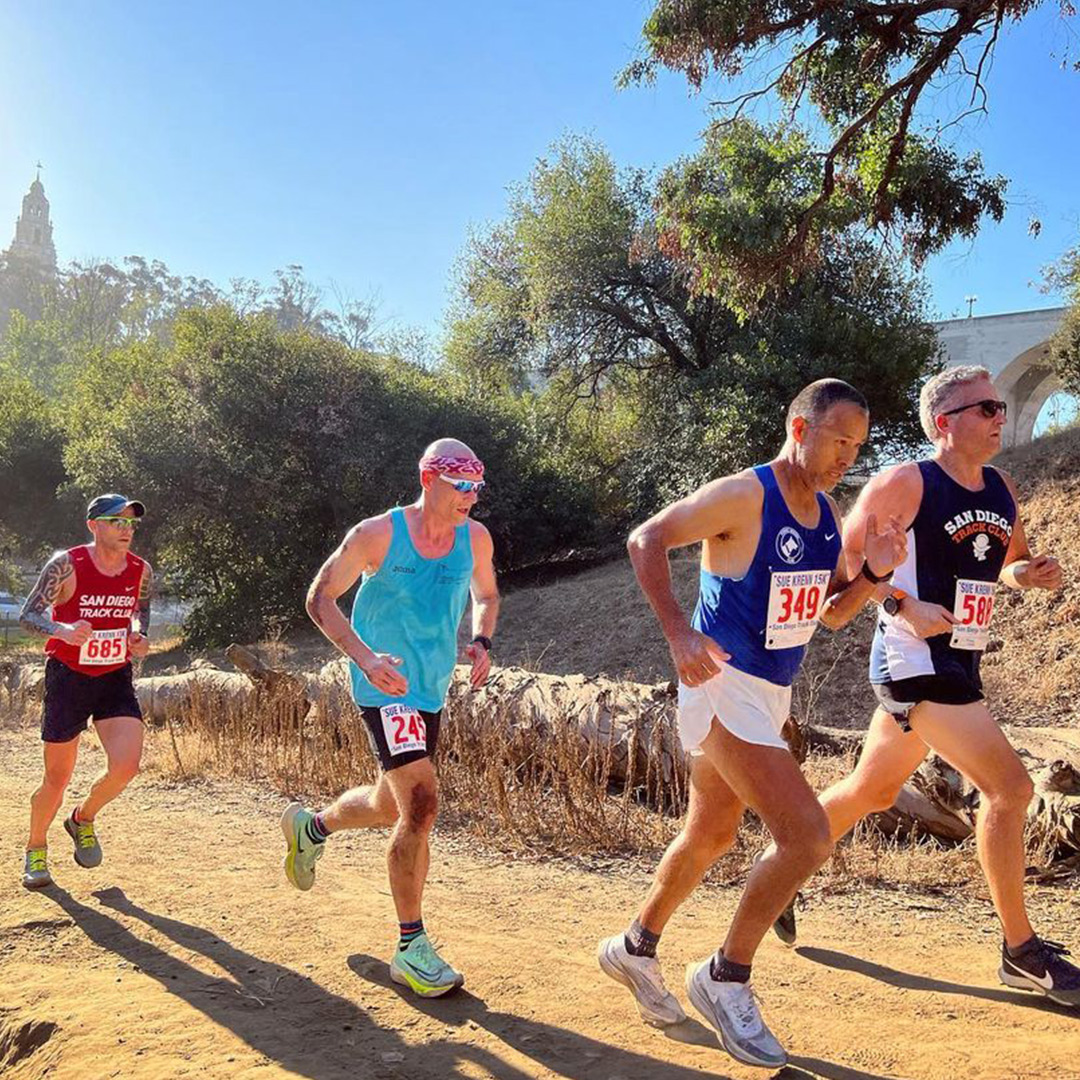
{"x":964,"y":535}
{"x":92,"y":603}
{"x":770,"y":540}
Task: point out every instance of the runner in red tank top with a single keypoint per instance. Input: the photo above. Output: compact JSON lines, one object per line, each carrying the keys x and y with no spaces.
{"x":92,"y":602}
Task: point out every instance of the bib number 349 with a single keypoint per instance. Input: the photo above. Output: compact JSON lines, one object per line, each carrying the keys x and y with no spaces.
{"x":973,"y":610}
{"x":795,"y":602}
{"x":104,"y":647}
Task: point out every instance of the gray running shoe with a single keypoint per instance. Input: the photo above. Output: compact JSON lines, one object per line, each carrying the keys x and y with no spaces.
{"x":730,"y":1008}
{"x":784,"y":927}
{"x":87,"y":849}
{"x":1044,"y":968}
{"x":641,"y":976}
{"x":36,"y":871}
{"x":303,"y":854}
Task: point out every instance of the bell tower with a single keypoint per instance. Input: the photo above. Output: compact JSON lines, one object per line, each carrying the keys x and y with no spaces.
{"x":33,"y":241}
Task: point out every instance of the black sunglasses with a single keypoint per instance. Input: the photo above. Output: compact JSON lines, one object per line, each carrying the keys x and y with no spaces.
{"x":990,"y":408}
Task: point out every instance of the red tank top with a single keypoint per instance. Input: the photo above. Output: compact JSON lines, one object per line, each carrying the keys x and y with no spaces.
{"x":107,"y":603}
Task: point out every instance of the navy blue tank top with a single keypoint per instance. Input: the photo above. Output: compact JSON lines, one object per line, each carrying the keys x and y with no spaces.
{"x":956,"y":549}
{"x":765,"y":618}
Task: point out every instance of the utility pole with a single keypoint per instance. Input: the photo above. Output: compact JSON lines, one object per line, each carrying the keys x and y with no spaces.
{"x":970,"y":303}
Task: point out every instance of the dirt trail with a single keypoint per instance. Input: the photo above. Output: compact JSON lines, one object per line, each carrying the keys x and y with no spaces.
{"x":187,"y":954}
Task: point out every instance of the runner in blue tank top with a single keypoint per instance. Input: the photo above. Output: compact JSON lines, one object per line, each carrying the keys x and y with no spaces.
{"x":770,"y":541}
{"x":418,"y":566}
{"x":964,"y":536}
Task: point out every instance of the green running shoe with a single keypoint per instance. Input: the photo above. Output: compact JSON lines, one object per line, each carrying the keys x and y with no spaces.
{"x":303,"y":854}
{"x":36,"y":871}
{"x":423,"y":970}
{"x":87,"y":849}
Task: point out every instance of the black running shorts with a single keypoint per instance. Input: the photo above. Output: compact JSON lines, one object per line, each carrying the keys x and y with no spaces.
{"x":899,"y":697}
{"x":400,"y":733}
{"x":72,"y":699}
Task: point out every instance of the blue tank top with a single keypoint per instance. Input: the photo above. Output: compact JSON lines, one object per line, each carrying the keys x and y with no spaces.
{"x":411,"y":607}
{"x":956,"y":549}
{"x":765,"y":618}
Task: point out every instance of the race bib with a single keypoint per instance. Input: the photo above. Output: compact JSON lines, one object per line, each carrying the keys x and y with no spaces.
{"x":795,"y":602}
{"x":973,"y":610}
{"x":105,"y":647}
{"x":404,"y":729}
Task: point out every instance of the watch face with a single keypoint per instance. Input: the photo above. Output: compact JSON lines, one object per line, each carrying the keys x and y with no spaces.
{"x":891,"y":605}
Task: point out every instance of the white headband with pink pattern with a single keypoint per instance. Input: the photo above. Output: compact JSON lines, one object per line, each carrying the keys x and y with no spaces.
{"x":447,"y":463}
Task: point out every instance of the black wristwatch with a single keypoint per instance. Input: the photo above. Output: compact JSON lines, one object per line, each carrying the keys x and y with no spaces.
{"x":481,"y":640}
{"x":891,"y":604}
{"x":871,"y":576}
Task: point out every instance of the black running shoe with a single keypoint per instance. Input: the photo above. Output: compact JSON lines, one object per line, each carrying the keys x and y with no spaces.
{"x":784,"y":926}
{"x":1041,"y":966}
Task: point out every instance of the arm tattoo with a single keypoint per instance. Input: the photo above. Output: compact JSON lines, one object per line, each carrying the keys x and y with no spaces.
{"x":142,"y":611}
{"x":35,"y":616}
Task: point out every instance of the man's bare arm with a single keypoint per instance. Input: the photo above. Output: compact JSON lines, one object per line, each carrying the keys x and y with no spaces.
{"x":713,"y":510}
{"x":710,"y":511}
{"x":885,"y":508}
{"x":146,"y":592}
{"x":1022,"y":570}
{"x":53,"y":587}
{"x":362,"y":550}
{"x":484,"y":588}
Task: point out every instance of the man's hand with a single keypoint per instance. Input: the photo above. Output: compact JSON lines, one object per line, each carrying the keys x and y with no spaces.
{"x":75,"y":633}
{"x":382,"y":672}
{"x":696,"y":656}
{"x":138,"y":644}
{"x":1041,"y":572}
{"x":884,"y":551}
{"x":481,"y":664}
{"x":923,"y":619}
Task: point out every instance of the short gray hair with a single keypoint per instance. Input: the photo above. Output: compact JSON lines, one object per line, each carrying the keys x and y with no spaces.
{"x":936,"y":392}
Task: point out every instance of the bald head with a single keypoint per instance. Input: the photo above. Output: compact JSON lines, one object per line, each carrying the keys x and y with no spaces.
{"x":447,"y":448}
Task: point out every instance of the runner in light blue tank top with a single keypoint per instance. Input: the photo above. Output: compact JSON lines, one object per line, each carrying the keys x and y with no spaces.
{"x":417,"y":567}
{"x":411,"y":607}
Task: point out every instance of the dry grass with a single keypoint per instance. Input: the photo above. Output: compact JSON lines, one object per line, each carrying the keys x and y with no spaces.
{"x":502,"y":790}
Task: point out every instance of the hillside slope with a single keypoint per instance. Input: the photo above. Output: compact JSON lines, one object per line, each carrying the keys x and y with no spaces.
{"x":599,"y":622}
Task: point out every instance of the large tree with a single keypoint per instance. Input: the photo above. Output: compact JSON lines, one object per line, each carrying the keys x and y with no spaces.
{"x":864,"y":72}
{"x":574,"y":293}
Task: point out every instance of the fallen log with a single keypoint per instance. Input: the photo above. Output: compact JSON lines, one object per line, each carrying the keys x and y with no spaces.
{"x":633,"y":727}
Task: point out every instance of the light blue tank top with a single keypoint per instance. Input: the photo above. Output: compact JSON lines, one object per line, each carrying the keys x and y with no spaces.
{"x":411,"y":607}
{"x":792,"y":565}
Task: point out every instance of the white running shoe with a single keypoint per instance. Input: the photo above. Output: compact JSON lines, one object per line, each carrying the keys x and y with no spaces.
{"x":641,"y":976}
{"x":731,"y":1009}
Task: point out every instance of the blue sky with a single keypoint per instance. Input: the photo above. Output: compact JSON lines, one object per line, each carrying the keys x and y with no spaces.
{"x":363,"y":140}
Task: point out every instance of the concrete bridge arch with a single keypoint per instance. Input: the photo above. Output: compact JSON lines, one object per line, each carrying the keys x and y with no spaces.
{"x":1015,"y":348}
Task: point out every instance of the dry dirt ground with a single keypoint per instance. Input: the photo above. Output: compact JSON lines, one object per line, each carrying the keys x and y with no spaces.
{"x":187,"y":954}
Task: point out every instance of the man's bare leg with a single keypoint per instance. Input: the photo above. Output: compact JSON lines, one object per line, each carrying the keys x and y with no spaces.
{"x":712,"y":821}
{"x":969,"y":739}
{"x":46,"y":801}
{"x":122,"y":739}
{"x":769,"y":781}
{"x":415,"y":793}
{"x":368,"y":807}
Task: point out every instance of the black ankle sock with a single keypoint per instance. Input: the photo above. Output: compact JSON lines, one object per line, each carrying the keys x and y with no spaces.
{"x":409,"y":932}
{"x":724,"y":970}
{"x":315,"y":829}
{"x":1020,"y":950}
{"x":639,"y":941}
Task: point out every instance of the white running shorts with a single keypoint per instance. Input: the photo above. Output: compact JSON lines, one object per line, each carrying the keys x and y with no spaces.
{"x":752,"y":709}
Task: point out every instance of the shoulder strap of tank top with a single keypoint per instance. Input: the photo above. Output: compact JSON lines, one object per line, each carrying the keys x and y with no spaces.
{"x":765,"y":474}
